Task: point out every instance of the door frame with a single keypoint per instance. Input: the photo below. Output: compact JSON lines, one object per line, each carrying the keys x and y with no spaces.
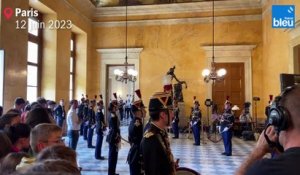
{"x":232,"y":54}
{"x":116,"y":56}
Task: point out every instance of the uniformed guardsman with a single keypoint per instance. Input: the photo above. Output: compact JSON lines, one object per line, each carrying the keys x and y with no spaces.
{"x":80,"y":113}
{"x":196,"y":122}
{"x":91,"y":123}
{"x":156,"y":152}
{"x":114,"y":136}
{"x":135,"y":135}
{"x":60,"y":113}
{"x":175,"y":121}
{"x":100,"y":128}
{"x":85,"y":117}
{"x":226,"y":127}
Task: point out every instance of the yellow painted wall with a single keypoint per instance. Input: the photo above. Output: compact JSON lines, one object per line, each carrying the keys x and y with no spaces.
{"x":276,"y":52}
{"x":180,"y":45}
{"x":80,"y":20}
{"x":163,"y":47}
{"x":55,"y":74}
{"x":14,"y":43}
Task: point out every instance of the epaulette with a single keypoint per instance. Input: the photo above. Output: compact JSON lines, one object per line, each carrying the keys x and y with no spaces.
{"x":148,"y":134}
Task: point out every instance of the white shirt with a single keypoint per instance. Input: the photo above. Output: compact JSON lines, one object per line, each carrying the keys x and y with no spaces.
{"x":73,"y":121}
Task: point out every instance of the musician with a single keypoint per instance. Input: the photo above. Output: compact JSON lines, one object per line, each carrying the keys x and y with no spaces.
{"x":91,"y":117}
{"x":114,"y":136}
{"x":135,"y":135}
{"x":155,"y":145}
{"x":175,"y":121}
{"x":196,"y":122}
{"x":226,"y":127}
{"x":100,"y":128}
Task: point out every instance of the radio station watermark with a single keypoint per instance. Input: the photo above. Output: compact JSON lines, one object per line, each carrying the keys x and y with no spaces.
{"x":31,"y":21}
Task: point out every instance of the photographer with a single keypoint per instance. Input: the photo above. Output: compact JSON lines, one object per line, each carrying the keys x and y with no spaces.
{"x":283,"y":132}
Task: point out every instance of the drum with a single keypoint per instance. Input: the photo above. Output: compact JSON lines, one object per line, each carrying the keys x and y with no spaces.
{"x":186,"y":171}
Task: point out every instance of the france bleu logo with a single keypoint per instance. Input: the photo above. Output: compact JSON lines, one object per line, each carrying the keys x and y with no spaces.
{"x":283,"y":16}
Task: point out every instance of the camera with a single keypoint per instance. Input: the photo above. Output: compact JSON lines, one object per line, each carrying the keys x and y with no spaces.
{"x":256,"y":99}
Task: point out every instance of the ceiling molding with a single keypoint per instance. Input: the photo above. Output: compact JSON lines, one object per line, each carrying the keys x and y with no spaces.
{"x":193,"y":7}
{"x":78,"y":12}
{"x":201,"y":20}
{"x":268,"y":9}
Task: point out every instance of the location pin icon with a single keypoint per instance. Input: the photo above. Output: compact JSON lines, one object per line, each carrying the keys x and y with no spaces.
{"x":8,"y":12}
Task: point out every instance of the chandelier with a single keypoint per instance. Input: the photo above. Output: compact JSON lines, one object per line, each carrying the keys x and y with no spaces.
{"x":213,"y":74}
{"x":127,"y":74}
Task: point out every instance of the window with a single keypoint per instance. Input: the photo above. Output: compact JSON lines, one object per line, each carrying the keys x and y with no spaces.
{"x":34,"y":54}
{"x":72,"y":66}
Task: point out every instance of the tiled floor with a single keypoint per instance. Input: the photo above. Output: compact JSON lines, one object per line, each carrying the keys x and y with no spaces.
{"x":206,"y":159}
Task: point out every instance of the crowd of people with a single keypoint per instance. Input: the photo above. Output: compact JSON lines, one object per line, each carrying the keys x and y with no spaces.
{"x":31,"y":135}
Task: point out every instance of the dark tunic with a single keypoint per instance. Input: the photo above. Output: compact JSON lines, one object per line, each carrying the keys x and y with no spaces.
{"x":60,"y":112}
{"x":227,"y":121}
{"x":91,"y":117}
{"x":156,"y":152}
{"x":100,"y":123}
{"x":113,"y":138}
{"x":135,"y":135}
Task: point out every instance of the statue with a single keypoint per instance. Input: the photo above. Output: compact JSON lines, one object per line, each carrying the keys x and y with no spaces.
{"x":178,"y":86}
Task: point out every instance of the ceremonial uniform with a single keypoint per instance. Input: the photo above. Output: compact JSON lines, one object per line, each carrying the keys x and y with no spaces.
{"x":100,"y":127}
{"x":91,"y":125}
{"x":135,"y":135}
{"x":113,"y":139}
{"x":196,"y":125}
{"x":226,"y":130}
{"x":85,"y":120}
{"x":114,"y":136}
{"x":60,"y":115}
{"x":81,"y":115}
{"x":157,"y":156}
{"x":121,"y":109}
{"x":175,"y":123}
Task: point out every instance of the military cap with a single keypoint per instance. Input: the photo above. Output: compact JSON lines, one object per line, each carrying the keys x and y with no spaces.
{"x":138,"y":104}
{"x":159,"y":101}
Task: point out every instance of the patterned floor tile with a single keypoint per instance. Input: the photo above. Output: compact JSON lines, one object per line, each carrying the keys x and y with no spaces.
{"x":206,"y":159}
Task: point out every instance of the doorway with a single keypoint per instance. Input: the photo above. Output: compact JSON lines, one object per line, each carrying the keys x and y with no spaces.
{"x":114,"y":57}
{"x":123,"y":91}
{"x":233,"y":86}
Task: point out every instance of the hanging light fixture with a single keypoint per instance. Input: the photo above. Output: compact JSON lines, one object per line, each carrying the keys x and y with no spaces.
{"x":213,"y":74}
{"x":127,"y":74}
